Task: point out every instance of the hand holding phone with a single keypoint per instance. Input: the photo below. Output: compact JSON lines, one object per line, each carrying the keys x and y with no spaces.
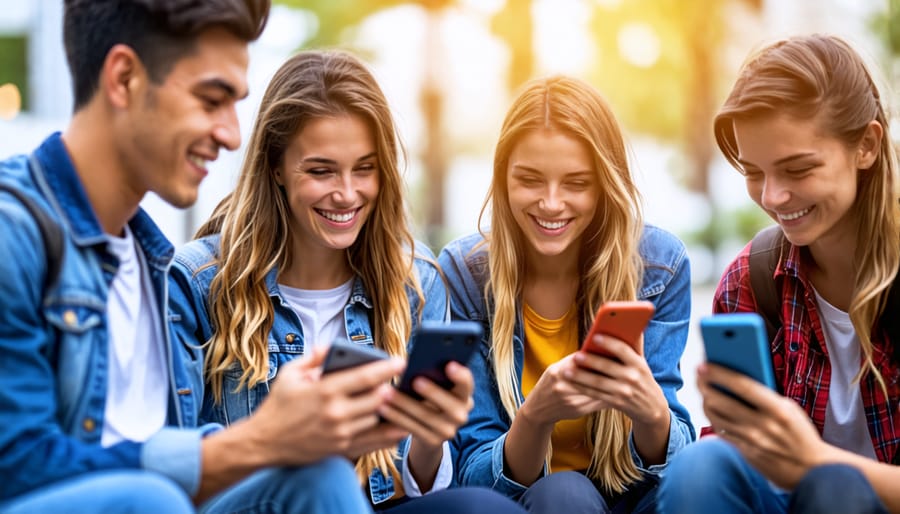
{"x":738,"y":341}
{"x":435,"y":344}
{"x":625,"y":320}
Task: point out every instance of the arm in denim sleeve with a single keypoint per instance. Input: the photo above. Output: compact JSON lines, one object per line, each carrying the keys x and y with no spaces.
{"x":34,"y":450}
{"x":667,"y":284}
{"x":478,"y":446}
{"x":434,"y":289}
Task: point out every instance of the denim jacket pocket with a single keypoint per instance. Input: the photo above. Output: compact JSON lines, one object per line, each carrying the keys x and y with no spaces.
{"x":80,"y":353}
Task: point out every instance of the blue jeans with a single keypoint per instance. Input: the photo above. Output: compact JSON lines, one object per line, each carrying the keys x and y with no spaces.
{"x":463,"y":500}
{"x":327,"y":486}
{"x":119,"y":491}
{"x":835,"y":489}
{"x":711,"y":476}
{"x":574,"y":493}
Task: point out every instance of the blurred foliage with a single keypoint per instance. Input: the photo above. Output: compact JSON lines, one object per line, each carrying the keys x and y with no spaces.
{"x":14,"y":64}
{"x":336,"y":17}
{"x":739,"y":224}
{"x":887,"y":25}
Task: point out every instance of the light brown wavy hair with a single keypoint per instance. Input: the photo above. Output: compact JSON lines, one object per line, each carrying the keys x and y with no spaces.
{"x":254,"y":222}
{"x":609,"y":261}
{"x":821,"y":77}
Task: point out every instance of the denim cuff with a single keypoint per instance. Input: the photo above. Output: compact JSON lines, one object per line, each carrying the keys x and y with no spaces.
{"x":175,"y":453}
{"x":502,"y":483}
{"x":677,"y":440}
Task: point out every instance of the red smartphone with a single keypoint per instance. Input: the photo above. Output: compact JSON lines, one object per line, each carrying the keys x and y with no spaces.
{"x":625,"y":320}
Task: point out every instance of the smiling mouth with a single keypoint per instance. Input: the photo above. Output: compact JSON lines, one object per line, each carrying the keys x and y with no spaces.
{"x":794,"y":215}
{"x":551,"y":224}
{"x":197,"y":161}
{"x":338,"y":217}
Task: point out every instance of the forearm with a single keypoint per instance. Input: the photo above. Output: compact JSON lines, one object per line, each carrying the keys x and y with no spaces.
{"x":423,"y":461}
{"x":651,"y":439}
{"x":229,"y":456}
{"x":522,"y":449}
{"x":882,"y":476}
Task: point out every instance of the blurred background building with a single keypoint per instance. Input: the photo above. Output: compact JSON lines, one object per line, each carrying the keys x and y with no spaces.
{"x":450,"y":67}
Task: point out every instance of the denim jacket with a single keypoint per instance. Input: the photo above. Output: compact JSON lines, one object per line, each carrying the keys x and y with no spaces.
{"x":478,"y":446}
{"x":189,"y":301}
{"x":54,"y":347}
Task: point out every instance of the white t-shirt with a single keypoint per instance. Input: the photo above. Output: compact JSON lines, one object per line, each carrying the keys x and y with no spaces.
{"x":138,"y":386}
{"x":845,"y":419}
{"x":321,"y":312}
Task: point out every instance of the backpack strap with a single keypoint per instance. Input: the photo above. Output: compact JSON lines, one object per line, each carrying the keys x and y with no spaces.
{"x":54,"y":243}
{"x":765,"y":252}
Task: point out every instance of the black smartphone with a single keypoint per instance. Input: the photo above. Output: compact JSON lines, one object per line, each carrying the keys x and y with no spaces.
{"x":435,"y":344}
{"x":344,"y":355}
{"x":738,"y":341}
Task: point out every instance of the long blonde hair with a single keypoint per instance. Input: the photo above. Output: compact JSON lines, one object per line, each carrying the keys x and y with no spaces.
{"x":608,"y":259}
{"x":822,"y":77}
{"x":254,"y":222}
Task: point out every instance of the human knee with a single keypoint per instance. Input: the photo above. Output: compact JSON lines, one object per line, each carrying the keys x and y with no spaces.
{"x":834,"y":488}
{"x":704,"y":460}
{"x":146,"y":492}
{"x":567,"y":491}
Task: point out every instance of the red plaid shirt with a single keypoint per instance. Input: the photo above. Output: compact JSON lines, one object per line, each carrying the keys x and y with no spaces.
{"x":799,"y":355}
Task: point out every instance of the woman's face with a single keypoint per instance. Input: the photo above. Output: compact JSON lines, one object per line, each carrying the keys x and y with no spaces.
{"x":553,"y":191}
{"x":804,"y":180}
{"x":330,"y":176}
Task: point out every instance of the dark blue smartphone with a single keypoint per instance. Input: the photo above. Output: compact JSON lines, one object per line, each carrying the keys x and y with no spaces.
{"x":738,"y":341}
{"x":344,"y":355}
{"x":435,"y":344}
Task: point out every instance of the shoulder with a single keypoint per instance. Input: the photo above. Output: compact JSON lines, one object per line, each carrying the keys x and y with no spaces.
{"x":196,"y":254}
{"x":469,"y":250}
{"x":661,"y":248}
{"x":736,"y":274}
{"x":424,"y":261}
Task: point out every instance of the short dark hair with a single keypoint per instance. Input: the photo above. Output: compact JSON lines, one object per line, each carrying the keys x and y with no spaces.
{"x":159,"y":31}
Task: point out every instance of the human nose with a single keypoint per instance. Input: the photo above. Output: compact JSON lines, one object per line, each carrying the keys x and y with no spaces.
{"x":552,"y":200}
{"x":227,"y":131}
{"x":345,"y":189}
{"x":774,"y":193}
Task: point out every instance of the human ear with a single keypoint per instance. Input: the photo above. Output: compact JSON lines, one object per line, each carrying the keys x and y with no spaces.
{"x":869,"y":145}
{"x":279,"y":179}
{"x":121,"y":76}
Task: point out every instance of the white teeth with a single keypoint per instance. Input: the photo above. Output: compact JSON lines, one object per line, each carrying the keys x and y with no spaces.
{"x":551,"y":225}
{"x":200,"y":162}
{"x":794,"y":215}
{"x":339,"y":218}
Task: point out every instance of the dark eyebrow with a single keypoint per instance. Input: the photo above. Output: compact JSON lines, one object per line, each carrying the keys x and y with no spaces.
{"x":781,"y":161}
{"x":323,"y":160}
{"x":224,"y":86}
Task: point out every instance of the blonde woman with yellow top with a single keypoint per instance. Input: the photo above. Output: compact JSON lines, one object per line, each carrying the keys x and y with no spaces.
{"x":557,"y":429}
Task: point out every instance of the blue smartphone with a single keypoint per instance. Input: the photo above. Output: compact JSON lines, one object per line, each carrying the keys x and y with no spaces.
{"x":344,"y":355}
{"x":435,"y":344}
{"x":738,"y":341}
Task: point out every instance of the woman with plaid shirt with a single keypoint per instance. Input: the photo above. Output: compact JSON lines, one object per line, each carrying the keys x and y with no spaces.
{"x":805,"y":126}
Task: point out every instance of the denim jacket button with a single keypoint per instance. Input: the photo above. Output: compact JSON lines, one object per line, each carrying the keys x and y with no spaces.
{"x":89,"y":424}
{"x":70,"y":318}
{"x":290,"y":338}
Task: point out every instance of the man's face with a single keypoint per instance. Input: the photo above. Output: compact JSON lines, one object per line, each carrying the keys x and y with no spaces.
{"x":177,"y":127}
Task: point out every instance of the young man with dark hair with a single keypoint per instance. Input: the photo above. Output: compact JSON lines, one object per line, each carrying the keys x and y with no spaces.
{"x":98,"y":406}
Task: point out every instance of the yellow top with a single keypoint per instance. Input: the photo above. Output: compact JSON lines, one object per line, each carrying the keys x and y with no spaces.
{"x":546,"y":342}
